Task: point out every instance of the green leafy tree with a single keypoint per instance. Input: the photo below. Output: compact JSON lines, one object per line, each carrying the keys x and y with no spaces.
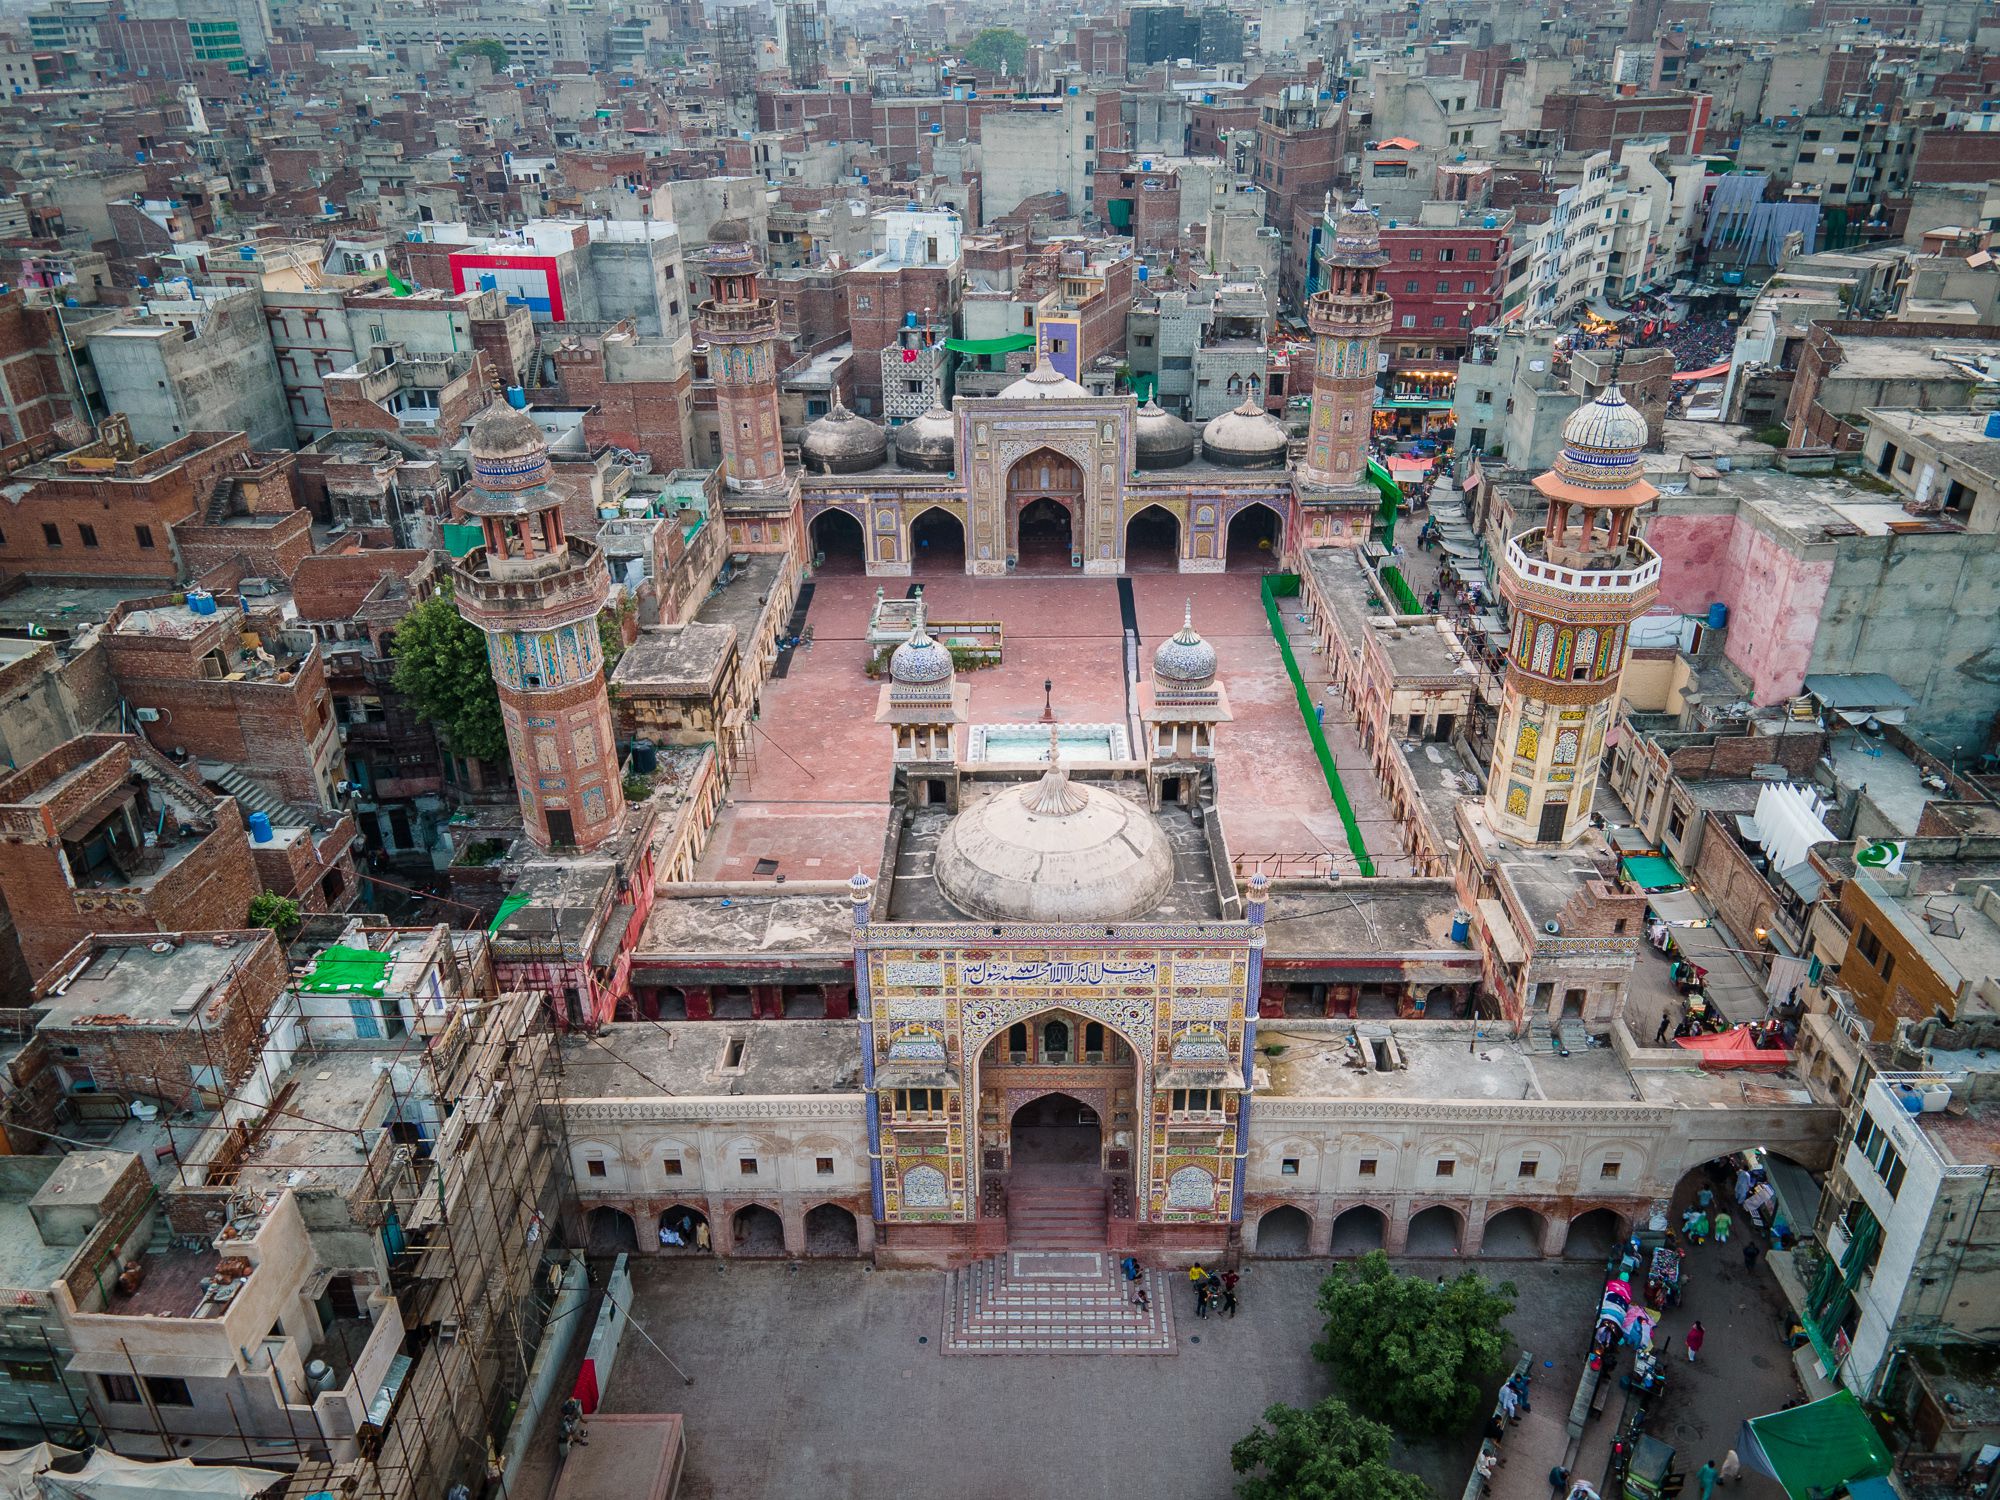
{"x":269,"y":909}
{"x":1410,"y":1351}
{"x":1324,"y":1452}
{"x":998,"y":49}
{"x":441,"y":668}
{"x":489,"y":47}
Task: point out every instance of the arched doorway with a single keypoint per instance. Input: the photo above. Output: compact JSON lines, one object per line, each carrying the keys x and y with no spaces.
{"x":838,"y":544}
{"x":1285,"y":1230}
{"x":1044,"y":494}
{"x":832,"y":1230}
{"x":1435,"y":1231}
{"x":1359,"y":1230}
{"x":1153,"y":541}
{"x":1515,"y":1232}
{"x":682,"y":1230}
{"x":1594,"y":1235}
{"x":610,"y":1231}
{"x":937,"y":542}
{"x":1057,"y":1131}
{"x":1255,"y":540}
{"x":757,"y":1231}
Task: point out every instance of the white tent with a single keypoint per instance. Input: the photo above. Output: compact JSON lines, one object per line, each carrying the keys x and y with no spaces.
{"x":25,"y":1474}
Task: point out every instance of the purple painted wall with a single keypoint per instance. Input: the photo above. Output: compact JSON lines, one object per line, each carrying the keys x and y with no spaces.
{"x":1774,"y":596}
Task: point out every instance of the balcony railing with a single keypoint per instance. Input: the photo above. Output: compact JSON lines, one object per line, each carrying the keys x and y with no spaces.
{"x":1640,"y":573}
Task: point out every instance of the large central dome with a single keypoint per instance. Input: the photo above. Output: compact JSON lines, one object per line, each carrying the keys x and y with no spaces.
{"x":1054,"y":851}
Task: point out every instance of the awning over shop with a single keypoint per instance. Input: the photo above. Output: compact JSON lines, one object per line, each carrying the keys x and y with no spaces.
{"x":1653,"y":872}
{"x":1735,"y":1048}
{"x":1007,"y":343}
{"x":1814,"y":1449}
{"x":1498,"y":927}
{"x":1677,"y":908}
{"x":1599,"y":308}
{"x":1711,"y":373}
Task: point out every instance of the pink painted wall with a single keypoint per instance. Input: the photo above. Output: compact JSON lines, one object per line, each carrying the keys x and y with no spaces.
{"x":1774,"y":596}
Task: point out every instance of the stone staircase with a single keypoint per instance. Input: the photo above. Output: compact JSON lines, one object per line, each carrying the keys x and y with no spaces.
{"x":1072,"y":1301}
{"x":250,"y":796}
{"x":1055,"y":1215}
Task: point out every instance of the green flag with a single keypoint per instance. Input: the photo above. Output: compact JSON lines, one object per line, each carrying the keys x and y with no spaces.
{"x":396,"y":283}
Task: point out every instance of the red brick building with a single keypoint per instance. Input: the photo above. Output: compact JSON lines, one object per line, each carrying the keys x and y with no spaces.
{"x":1956,"y":156}
{"x":105,"y":835}
{"x":37,"y":385}
{"x":1597,"y":122}
{"x":640,"y":393}
{"x":1446,"y":279}
{"x":242,"y":691}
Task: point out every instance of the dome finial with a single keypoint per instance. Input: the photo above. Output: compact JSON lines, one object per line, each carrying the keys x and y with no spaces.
{"x":1053,"y":796}
{"x":1187,"y":614}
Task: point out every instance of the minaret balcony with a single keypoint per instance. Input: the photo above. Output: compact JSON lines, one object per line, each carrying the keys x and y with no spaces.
{"x":572,"y":582}
{"x":1627,"y":571}
{"x":747,"y":318}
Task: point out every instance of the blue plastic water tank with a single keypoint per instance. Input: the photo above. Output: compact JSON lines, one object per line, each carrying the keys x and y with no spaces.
{"x":1993,"y":424}
{"x":260,"y":828}
{"x":1491,"y":221}
{"x":1461,"y":926}
{"x":517,"y":398}
{"x":1142,"y":273}
{"x":201,"y":602}
{"x":1718,"y":616}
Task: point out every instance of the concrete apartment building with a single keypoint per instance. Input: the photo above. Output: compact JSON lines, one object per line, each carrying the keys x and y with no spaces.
{"x":1047,"y":146}
{"x":202,"y":365}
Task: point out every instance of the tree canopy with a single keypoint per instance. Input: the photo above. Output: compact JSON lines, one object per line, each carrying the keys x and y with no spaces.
{"x":1324,"y":1452}
{"x":998,"y":49}
{"x":489,"y":47}
{"x":1410,"y":1351}
{"x":441,"y":668}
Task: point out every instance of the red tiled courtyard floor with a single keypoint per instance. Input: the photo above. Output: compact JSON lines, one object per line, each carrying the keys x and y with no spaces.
{"x":815,"y":798}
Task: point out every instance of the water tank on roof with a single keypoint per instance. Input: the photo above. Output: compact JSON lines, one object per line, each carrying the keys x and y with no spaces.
{"x":1993,"y":424}
{"x":1490,"y":222}
{"x":645,"y":758}
{"x":260,"y":828}
{"x":1718,"y":616}
{"x":517,"y":398}
{"x":200,"y":602}
{"x":1142,"y":278}
{"x":246,"y":252}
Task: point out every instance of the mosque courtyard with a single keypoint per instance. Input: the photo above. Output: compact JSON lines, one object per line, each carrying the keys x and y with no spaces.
{"x":813,"y":797}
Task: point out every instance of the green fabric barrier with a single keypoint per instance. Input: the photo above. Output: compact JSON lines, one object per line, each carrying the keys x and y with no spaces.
{"x":1399,"y":590}
{"x":1007,"y":343}
{"x":1285,"y":586}
{"x":348,"y":971}
{"x":1392,"y":500}
{"x":1814,"y":1449}
{"x":507,"y":909}
{"x":460,"y":539}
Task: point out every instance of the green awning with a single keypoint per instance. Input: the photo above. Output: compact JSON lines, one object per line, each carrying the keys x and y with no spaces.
{"x":348,"y":971}
{"x":507,"y":909}
{"x":1653,"y":872}
{"x":1005,"y":344}
{"x":1814,"y":1449}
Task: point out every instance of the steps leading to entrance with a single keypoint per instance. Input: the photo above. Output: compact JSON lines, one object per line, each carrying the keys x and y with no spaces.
{"x":1055,"y":1217}
{"x":1073,"y":1301}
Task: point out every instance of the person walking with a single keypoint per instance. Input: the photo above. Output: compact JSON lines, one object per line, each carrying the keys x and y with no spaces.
{"x":1723,"y":1224}
{"x":1705,"y":1200}
{"x":1751,"y":1250}
{"x":1229,"y":1281}
{"x":1694,"y":1339}
{"x":1731,"y":1467}
{"x":1666,"y":1025}
{"x":1510,"y":1404}
{"x":1705,"y":1477}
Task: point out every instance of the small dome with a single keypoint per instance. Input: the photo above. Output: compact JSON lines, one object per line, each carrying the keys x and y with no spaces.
{"x":1357,"y":236}
{"x":510,"y":465}
{"x":1247,"y":438}
{"x":920,"y":661}
{"x":1160,"y":440}
{"x":1055,"y":851}
{"x":1184,"y":658}
{"x":504,"y":431}
{"x":842,"y":443}
{"x":930,"y":443}
{"x":1607,"y":425}
{"x":1043,"y":383}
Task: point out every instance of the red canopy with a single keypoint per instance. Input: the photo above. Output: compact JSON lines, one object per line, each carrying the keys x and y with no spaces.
{"x":1735,"y":1048}
{"x":1709,"y":374}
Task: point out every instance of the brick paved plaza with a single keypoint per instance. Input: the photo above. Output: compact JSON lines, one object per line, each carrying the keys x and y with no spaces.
{"x":816,"y":796}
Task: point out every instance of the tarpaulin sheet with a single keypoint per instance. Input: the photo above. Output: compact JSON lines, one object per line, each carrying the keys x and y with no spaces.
{"x":1813,"y":1449}
{"x":1007,"y":343}
{"x":348,"y":971}
{"x":1653,"y":872}
{"x":507,"y":909}
{"x":1721,"y":1050}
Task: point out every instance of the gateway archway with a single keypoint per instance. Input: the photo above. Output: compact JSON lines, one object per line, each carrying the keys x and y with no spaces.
{"x":1255,"y":539}
{"x":838,"y":543}
{"x":937,"y":542}
{"x":1044,"y":495}
{"x":1153,"y":541}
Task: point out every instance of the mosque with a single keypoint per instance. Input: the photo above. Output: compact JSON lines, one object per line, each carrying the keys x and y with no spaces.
{"x":1052,"y":1015}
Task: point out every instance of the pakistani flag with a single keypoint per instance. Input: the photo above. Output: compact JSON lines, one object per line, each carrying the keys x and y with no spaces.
{"x":1879,"y":856}
{"x":397,"y":285}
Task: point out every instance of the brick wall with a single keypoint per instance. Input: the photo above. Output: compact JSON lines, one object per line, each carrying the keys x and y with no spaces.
{"x":1733,"y":757}
{"x":1734,"y":888}
{"x":271,"y":550}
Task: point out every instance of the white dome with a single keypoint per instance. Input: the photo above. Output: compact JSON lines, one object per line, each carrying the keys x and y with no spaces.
{"x":1055,"y":851}
{"x":1607,"y":425}
{"x":1184,"y":657}
{"x":920,"y":660}
{"x":1043,"y":383}
{"x":1247,"y":437}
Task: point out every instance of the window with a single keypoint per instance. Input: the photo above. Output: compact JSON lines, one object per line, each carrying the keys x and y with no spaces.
{"x":918,"y":1101}
{"x":1289,"y":1167}
{"x":1873,"y":1142}
{"x":86,"y":534}
{"x":1476,"y":253}
{"x":1196,"y":1101}
{"x":823,"y":1165}
{"x":1409,"y":320}
{"x":1447,"y":1166}
{"x":1888,"y":964}
{"x":32,"y":1371}
{"x":1017,"y":1042}
{"x":51,"y":534}
{"x":1412,"y":285}
{"x":1416,"y":255}
{"x":1365,"y":1167}
{"x":671,"y":1166}
{"x":1470,"y":288}
{"x":747,"y":1166}
{"x":1528,"y":1168}
{"x":1609,"y":1171}
{"x":1870,"y":947}
{"x":145,"y":536}
{"x":593,"y":1167}
{"x":168,"y":1390}
{"x":1447,"y":254}
{"x":122,"y":1389}
{"x":1676,"y":822}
